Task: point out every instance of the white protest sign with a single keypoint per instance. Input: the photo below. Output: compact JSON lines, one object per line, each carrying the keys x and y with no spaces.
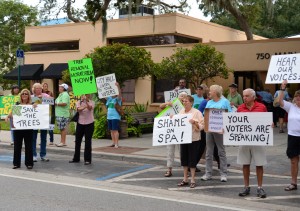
{"x":51,"y":127}
{"x":171,"y":95}
{"x":48,"y":100}
{"x":248,"y":128}
{"x":167,"y":131}
{"x":28,"y":117}
{"x":106,"y":86}
{"x":284,"y":67}
{"x":213,"y":120}
{"x":171,"y":110}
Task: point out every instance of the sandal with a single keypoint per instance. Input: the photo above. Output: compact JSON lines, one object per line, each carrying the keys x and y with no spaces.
{"x":291,"y":187}
{"x":168,"y":173}
{"x":183,"y":183}
{"x":193,"y":185}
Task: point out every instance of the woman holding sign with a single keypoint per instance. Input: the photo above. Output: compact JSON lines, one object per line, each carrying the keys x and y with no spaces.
{"x":113,"y":117}
{"x":19,"y":135}
{"x":85,"y":127}
{"x":189,"y":152}
{"x":293,"y":148}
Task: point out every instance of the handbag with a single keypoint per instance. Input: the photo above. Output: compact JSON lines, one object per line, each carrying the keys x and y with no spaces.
{"x":75,"y":117}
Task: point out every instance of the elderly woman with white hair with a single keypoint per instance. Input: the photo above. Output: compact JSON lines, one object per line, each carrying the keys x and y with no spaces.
{"x":217,"y":102}
{"x":171,"y":148}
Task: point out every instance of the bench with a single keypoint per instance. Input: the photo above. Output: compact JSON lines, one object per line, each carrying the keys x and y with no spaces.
{"x":144,"y":118}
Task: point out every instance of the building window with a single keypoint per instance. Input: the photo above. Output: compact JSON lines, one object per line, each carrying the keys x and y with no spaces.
{"x":128,"y":91}
{"x":154,"y":40}
{"x":57,"y":46}
{"x":160,"y":86}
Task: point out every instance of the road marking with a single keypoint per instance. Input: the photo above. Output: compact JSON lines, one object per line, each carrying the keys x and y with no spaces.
{"x":171,"y":178}
{"x":221,"y":186}
{"x":108,"y":189}
{"x":272,"y":198}
{"x":138,"y":169}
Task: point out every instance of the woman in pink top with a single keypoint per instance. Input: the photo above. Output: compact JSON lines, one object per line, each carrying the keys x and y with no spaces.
{"x":85,"y":127}
{"x":189,"y":152}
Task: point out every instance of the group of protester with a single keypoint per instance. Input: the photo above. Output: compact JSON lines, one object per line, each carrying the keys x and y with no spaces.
{"x":190,"y":154}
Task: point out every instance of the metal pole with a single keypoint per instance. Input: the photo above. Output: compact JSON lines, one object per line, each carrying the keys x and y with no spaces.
{"x":19,"y":73}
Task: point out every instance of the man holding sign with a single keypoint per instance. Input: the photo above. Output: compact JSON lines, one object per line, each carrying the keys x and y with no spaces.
{"x":248,"y":153}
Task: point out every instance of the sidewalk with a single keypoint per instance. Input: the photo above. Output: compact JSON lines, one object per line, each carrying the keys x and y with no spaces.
{"x":135,"y":149}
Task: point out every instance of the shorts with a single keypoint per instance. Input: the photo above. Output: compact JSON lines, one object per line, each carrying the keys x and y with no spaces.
{"x":293,"y":146}
{"x":189,"y":154}
{"x":280,"y":112}
{"x":113,"y":124}
{"x":252,"y":154}
{"x":62,"y":122}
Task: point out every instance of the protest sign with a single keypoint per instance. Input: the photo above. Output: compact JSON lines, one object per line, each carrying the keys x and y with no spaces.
{"x":284,"y":67}
{"x":176,"y":130}
{"x":73,"y":100}
{"x":6,"y":103}
{"x":171,"y":95}
{"x":82,"y":76}
{"x":248,"y":128}
{"x":28,"y":117}
{"x":213,"y":119}
{"x":48,"y":100}
{"x":171,"y":110}
{"x":107,"y":86}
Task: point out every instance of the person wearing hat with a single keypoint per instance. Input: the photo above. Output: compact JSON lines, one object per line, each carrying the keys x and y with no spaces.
{"x":14,"y":92}
{"x":62,"y":112}
{"x":234,"y":97}
{"x":198,"y":97}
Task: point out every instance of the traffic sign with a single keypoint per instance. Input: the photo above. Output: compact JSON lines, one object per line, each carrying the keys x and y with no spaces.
{"x":20,"y":53}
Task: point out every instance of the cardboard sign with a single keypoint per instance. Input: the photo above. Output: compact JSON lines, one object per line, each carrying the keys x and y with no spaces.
{"x":284,"y":67}
{"x":171,"y":110}
{"x":6,"y":103}
{"x":107,"y":86}
{"x":28,"y":117}
{"x":167,"y":131}
{"x":213,"y":119}
{"x":82,"y":76}
{"x":48,"y":100}
{"x":248,"y":128}
{"x":73,"y":100}
{"x":173,"y":94}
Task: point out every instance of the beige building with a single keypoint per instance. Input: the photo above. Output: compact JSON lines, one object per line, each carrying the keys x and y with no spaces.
{"x":52,"y":46}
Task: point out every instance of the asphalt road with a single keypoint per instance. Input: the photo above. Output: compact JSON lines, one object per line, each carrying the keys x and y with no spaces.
{"x":118,"y":185}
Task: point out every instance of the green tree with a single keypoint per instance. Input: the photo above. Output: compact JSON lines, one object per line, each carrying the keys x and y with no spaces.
{"x":196,"y":65}
{"x":125,"y":61}
{"x":14,"y":17}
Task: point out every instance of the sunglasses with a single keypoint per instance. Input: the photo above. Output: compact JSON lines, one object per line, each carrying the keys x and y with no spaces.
{"x":25,"y":94}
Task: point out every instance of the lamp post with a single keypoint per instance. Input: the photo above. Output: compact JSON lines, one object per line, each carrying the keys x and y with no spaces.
{"x":20,"y":61}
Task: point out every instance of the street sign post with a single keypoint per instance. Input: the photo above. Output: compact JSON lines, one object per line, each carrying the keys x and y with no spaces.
{"x":20,"y":61}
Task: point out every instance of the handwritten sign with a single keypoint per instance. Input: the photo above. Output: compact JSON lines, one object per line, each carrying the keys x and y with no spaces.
{"x":73,"y":100}
{"x":171,"y":110}
{"x":107,"y":86}
{"x":82,"y":76}
{"x":213,"y":119}
{"x":167,"y":131}
{"x":284,"y":67}
{"x":28,"y":117}
{"x":248,"y":128}
{"x":48,"y":100}
{"x":6,"y":103}
{"x":171,"y":95}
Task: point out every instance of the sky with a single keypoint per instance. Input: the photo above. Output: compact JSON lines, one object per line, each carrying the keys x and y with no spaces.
{"x":194,"y":12}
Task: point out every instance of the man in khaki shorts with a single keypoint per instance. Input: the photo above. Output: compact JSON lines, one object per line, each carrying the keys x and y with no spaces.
{"x":255,"y":154}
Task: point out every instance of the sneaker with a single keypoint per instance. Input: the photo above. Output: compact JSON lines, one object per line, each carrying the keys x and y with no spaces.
{"x":245,"y":192}
{"x":116,"y":146}
{"x":34,"y":159}
{"x":51,"y":143}
{"x":44,"y":159}
{"x":205,"y":178}
{"x":59,"y":145}
{"x":261,"y":193}
{"x":223,"y":179}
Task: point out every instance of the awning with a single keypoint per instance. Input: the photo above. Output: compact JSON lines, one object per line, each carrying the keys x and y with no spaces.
{"x":27,"y":72}
{"x":54,"y":70}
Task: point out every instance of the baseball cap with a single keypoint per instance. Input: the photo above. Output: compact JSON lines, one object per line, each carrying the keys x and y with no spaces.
{"x":65,"y":86}
{"x":233,"y":85}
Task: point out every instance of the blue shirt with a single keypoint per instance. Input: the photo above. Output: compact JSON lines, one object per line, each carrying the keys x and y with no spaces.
{"x":223,"y":103}
{"x":266,"y":96}
{"x":111,"y":110}
{"x":197,"y":101}
{"x":202,"y":106}
{"x":285,"y":97}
